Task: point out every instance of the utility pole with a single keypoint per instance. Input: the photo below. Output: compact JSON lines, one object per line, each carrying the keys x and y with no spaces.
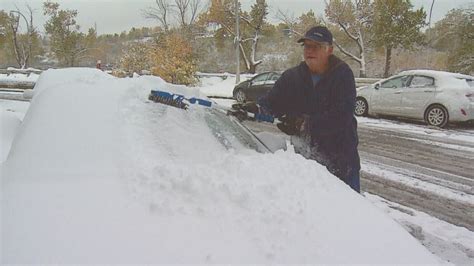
{"x":237,"y":41}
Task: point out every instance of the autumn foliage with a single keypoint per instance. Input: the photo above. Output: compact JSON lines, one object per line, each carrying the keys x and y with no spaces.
{"x":173,"y":59}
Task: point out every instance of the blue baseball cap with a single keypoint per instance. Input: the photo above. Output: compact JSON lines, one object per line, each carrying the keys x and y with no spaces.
{"x":318,"y":34}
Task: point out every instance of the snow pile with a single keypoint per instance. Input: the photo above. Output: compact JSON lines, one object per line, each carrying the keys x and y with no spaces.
{"x":219,"y":87}
{"x":452,"y":244}
{"x":11,"y":115}
{"x":18,"y":78}
{"x":9,"y":125}
{"x":98,"y":174}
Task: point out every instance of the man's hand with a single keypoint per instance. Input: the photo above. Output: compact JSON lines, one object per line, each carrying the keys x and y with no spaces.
{"x":251,"y":107}
{"x":260,"y":114}
{"x":291,"y":125}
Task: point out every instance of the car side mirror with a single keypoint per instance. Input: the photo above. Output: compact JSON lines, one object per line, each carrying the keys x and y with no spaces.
{"x":377,"y":86}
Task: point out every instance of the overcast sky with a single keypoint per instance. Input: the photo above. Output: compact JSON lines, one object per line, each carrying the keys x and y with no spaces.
{"x":115,"y":16}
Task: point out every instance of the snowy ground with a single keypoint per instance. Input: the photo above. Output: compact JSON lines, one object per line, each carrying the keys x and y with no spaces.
{"x":458,"y":132}
{"x":12,"y":78}
{"x":98,"y":174}
{"x":449,"y":242}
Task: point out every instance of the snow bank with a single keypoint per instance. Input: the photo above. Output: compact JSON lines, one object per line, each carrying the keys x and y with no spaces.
{"x":219,"y":87}
{"x":9,"y":125}
{"x":98,"y":174}
{"x":13,"y":78}
{"x":18,"y":80}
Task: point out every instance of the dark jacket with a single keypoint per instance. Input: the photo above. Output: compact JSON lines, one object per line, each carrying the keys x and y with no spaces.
{"x":329,"y":111}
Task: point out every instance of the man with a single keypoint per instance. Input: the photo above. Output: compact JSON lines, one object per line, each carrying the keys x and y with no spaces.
{"x":322,"y":90}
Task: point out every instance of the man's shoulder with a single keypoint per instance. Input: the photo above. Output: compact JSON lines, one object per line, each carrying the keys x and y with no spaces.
{"x":295,"y":71}
{"x":338,"y":65}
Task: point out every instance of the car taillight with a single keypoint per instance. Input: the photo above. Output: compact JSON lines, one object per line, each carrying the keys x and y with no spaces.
{"x":470,"y":96}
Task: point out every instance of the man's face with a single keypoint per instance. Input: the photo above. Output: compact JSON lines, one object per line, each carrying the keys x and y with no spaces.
{"x":316,"y":55}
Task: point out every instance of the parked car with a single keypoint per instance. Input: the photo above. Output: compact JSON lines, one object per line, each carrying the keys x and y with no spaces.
{"x":127,"y":181}
{"x":435,"y":97}
{"x":251,"y":90}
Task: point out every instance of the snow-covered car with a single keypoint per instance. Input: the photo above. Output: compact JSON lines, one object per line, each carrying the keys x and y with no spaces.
{"x":99,"y":174}
{"x":252,"y":89}
{"x":435,"y":97}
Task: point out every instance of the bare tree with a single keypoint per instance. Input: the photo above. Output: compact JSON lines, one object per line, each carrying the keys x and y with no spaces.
{"x":22,"y":49}
{"x":431,"y":12}
{"x":290,"y":20}
{"x":185,"y":12}
{"x":161,"y":13}
{"x":354,"y":18}
{"x":255,"y":21}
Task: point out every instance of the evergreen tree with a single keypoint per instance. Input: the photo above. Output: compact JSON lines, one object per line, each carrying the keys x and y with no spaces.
{"x":455,"y":34}
{"x":136,"y":57}
{"x":66,"y":41}
{"x":397,"y":25}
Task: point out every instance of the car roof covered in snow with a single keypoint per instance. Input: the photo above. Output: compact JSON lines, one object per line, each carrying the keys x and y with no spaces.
{"x":436,"y":74}
{"x":443,"y":79}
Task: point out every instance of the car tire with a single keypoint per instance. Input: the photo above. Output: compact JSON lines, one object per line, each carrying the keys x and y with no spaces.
{"x":361,"y":108}
{"x":240,"y":96}
{"x":437,"y":116}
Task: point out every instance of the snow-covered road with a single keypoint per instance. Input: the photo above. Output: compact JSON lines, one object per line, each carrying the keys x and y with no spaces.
{"x":415,"y":170}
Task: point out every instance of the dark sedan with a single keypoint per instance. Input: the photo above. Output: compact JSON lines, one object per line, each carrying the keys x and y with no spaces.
{"x":252,"y":89}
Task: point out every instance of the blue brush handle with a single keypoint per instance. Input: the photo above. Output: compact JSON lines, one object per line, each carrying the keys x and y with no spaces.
{"x":264,"y":117}
{"x":180,"y":98}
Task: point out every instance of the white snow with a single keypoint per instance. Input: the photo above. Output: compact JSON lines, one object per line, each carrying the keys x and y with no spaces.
{"x":9,"y":126}
{"x":444,"y":191}
{"x":98,"y":174}
{"x":14,"y":78}
{"x":11,"y":114}
{"x":443,"y":79}
{"x":465,"y":135}
{"x":219,"y":85}
{"x":452,"y":242}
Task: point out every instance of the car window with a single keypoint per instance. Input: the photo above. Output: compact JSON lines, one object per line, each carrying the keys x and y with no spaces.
{"x":260,"y":78}
{"x":469,"y":82}
{"x":421,"y":81}
{"x":272,"y":79}
{"x":395,"y":83}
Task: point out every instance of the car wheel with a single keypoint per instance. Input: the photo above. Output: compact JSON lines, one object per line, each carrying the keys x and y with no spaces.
{"x":436,"y":115}
{"x":240,"y":96}
{"x":361,"y":108}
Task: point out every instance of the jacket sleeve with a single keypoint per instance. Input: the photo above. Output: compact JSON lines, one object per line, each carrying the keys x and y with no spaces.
{"x":276,"y":101}
{"x":340,"y":113}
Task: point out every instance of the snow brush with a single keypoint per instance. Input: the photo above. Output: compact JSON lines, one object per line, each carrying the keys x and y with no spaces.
{"x":179,"y":101}
{"x":176,"y":100}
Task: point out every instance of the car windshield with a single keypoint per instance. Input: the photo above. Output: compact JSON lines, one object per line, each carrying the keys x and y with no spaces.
{"x":232,"y":134}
